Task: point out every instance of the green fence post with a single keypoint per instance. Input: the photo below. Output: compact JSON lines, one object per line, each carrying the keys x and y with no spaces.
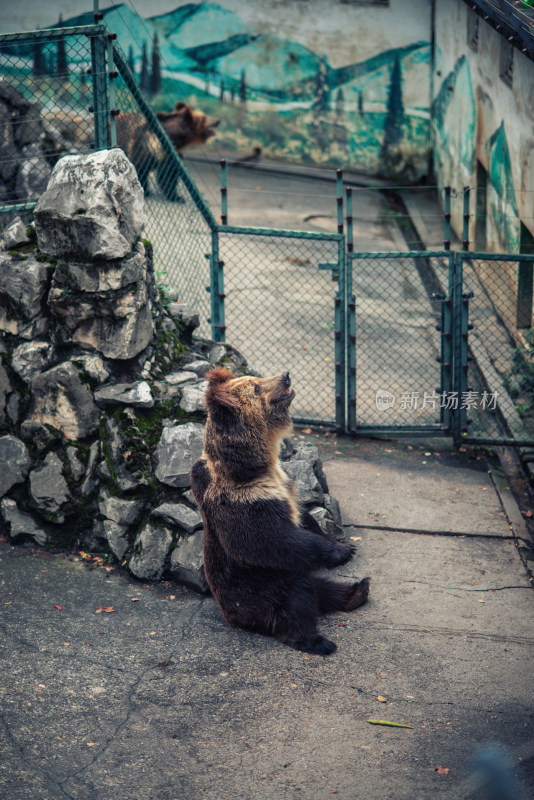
{"x":100,"y":107}
{"x":461,"y":323}
{"x":112,"y":75}
{"x":351,"y":321}
{"x":218,"y":327}
{"x":340,"y":313}
{"x":466,"y":216}
{"x":447,"y":220}
{"x":224,"y":192}
{"x":447,"y":354}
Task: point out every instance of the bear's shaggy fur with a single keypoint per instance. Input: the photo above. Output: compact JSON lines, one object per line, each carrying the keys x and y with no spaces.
{"x":184,"y":125}
{"x":260,"y":549}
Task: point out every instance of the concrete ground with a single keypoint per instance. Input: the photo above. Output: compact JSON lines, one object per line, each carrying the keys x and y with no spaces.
{"x":111,"y":688}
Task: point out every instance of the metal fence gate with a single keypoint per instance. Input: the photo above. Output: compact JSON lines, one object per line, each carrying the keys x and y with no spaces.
{"x":377,"y":342}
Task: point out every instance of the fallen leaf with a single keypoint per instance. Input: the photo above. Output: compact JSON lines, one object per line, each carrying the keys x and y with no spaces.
{"x":481,"y":601}
{"x":381,"y":699}
{"x":134,"y":599}
{"x":527,"y":513}
{"x":306,"y":430}
{"x":341,"y":624}
{"x":355,"y":538}
{"x":107,"y":609}
{"x":441,"y":770}
{"x":59,"y":608}
{"x":390,"y":724}
{"x":9,"y":603}
{"x":66,"y":644}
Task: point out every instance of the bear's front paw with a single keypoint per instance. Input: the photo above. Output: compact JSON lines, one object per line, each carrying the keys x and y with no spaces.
{"x":339,"y":555}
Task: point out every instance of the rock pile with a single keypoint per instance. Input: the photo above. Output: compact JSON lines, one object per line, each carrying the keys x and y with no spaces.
{"x":102,"y":385}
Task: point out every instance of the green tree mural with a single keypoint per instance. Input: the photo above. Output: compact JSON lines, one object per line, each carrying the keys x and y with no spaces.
{"x":155,"y":76}
{"x":38,"y":66}
{"x":243,"y":87}
{"x":394,"y":122}
{"x":144,"y":78}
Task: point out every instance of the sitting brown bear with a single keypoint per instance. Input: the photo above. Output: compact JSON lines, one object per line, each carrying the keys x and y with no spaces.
{"x":260,"y":549}
{"x":184,"y":126}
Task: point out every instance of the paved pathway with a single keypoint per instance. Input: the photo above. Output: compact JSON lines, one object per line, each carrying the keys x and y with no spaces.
{"x":159,"y":699}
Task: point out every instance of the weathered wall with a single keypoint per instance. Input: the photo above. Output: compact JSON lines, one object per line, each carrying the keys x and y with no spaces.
{"x":318,"y":81}
{"x":479,"y":117}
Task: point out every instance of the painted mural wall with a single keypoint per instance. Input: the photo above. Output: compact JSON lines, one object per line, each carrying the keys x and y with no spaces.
{"x":483,"y":129}
{"x":310,"y":81}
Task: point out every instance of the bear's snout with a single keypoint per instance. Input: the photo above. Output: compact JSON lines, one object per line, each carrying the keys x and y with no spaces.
{"x":286,"y":379}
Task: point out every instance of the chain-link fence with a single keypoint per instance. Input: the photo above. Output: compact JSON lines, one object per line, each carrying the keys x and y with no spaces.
{"x":398,"y":381}
{"x":45,"y":94}
{"x":180,"y":224}
{"x":388,"y":339}
{"x":501,"y":366}
{"x":280,"y":308}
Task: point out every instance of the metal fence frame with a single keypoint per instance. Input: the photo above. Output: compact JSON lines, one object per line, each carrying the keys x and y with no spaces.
{"x":108,"y":64}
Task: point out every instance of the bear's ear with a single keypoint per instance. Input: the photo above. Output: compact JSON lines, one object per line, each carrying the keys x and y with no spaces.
{"x":219,"y":395}
{"x":219,"y":375}
{"x":184,"y":111}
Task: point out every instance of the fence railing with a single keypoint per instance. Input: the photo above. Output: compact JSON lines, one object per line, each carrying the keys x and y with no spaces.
{"x":379,"y":326}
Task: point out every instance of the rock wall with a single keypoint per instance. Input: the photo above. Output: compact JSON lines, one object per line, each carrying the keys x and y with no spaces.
{"x":102,"y":385}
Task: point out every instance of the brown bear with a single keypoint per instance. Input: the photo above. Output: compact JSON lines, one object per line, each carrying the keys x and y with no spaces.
{"x":260,"y":548}
{"x":184,"y":126}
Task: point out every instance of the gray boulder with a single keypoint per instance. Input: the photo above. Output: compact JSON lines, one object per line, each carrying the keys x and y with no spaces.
{"x":93,"y":366}
{"x":179,"y":378}
{"x":193,"y":397}
{"x":5,"y":391}
{"x":21,"y":524}
{"x":90,"y":482}
{"x":326,"y":523}
{"x":332,"y":506}
{"x":31,"y":358}
{"x":49,"y":490}
{"x":15,"y":234}
{"x":186,"y":563}
{"x":178,"y":449}
{"x":93,"y":207}
{"x":308,"y":487}
{"x":117,"y":324}
{"x":62,"y":400}
{"x":114,"y":466}
{"x":180,"y":515}
{"x":137,"y":395}
{"x":116,"y":509}
{"x":15,"y":463}
{"x":102,"y":275}
{"x":151,"y":548}
{"x":24,"y":283}
{"x":75,"y":465}
{"x":216,"y":353}
{"x":186,"y":315}
{"x":117,"y":538}
{"x":199,"y":367}
{"x":304,"y":451}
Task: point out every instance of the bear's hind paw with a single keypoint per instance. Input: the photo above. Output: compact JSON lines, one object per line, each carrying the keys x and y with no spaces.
{"x":359,"y":594}
{"x":317,"y":645}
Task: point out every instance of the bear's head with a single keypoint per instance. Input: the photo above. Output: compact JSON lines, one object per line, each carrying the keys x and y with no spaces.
{"x":186,"y":125}
{"x":247,"y":418}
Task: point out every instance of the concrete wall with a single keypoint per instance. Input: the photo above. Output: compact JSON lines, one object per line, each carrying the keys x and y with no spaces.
{"x":311,"y":81}
{"x":481,"y":123}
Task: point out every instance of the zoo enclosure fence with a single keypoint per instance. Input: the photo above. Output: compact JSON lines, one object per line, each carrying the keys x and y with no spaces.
{"x":366,"y":321}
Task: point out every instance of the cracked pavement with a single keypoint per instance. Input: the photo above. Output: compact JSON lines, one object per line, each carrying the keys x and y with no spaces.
{"x":160,"y":699}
